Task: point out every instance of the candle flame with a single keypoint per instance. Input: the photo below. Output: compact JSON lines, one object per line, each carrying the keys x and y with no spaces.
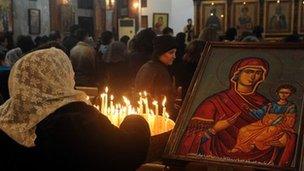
{"x":155,"y":103}
{"x":116,"y":112}
{"x":145,"y":93}
{"x":164,"y":101}
{"x":126,"y":100}
{"x":166,"y":115}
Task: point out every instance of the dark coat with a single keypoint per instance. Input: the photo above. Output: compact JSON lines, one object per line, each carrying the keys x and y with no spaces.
{"x":155,"y":78}
{"x":4,"y":75}
{"x":117,"y":78}
{"x":69,"y":42}
{"x":136,"y":61}
{"x":77,"y":137}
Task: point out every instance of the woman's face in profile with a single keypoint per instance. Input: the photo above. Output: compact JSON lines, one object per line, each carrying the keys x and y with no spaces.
{"x":250,"y":76}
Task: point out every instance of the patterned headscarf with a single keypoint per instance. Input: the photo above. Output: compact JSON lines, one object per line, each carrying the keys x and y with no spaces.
{"x":39,"y":84}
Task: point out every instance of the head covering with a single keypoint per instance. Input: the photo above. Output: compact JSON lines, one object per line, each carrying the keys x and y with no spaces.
{"x":13,"y":56}
{"x":250,"y":62}
{"x":39,"y":83}
{"x":163,"y":44}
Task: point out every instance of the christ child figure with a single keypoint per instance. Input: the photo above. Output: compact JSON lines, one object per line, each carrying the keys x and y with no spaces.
{"x":274,"y":128}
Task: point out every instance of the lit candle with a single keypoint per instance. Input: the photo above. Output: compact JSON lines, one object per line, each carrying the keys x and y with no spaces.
{"x":164,"y":106}
{"x":111,"y":105}
{"x":106,"y":100}
{"x":140,"y":103}
{"x":155,"y":103}
{"x":127,"y":102}
{"x":102,"y":103}
{"x":146,"y":103}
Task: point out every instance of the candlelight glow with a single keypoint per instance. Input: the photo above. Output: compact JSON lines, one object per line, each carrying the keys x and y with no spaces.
{"x":117,"y":112}
{"x":164,"y":101}
{"x":136,"y":5}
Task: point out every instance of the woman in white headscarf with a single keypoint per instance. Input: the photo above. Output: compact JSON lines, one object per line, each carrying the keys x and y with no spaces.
{"x":56,"y":124}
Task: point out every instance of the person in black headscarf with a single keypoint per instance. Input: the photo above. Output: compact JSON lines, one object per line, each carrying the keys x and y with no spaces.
{"x":154,"y":76}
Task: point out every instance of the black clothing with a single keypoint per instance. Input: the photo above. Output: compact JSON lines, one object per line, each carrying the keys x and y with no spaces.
{"x":155,"y":78}
{"x":4,"y":75}
{"x":136,"y":61}
{"x":117,"y":78}
{"x":186,"y":75}
{"x":69,"y":42}
{"x":77,"y":137}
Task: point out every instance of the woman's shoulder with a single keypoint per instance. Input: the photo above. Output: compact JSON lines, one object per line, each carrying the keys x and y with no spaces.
{"x":73,"y":113}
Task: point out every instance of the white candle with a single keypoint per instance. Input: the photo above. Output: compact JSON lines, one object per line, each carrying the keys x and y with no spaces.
{"x":102,"y":103}
{"x":106,"y":100}
{"x":127,"y":102}
{"x":164,"y":106}
{"x":140,"y":108}
{"x":140,"y":102}
{"x":155,"y":103}
{"x":146,"y":103}
{"x":111,"y":105}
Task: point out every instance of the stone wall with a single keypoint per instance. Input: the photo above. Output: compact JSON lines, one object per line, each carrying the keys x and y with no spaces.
{"x":20,"y":15}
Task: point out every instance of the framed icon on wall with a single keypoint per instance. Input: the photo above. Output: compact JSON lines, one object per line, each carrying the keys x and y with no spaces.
{"x":34,"y":21}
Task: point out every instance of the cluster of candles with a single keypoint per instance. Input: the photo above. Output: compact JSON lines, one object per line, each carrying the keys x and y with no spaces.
{"x":117,"y":112}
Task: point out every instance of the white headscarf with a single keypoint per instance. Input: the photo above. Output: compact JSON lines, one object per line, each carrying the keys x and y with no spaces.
{"x":39,"y":83}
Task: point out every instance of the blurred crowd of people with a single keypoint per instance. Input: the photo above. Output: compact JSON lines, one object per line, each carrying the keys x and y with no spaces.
{"x":128,"y":65}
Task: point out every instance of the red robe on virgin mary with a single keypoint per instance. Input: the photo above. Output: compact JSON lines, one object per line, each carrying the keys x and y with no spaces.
{"x":222,"y":106}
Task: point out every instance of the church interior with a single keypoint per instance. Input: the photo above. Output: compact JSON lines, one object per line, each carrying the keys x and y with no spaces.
{"x":152,"y":85}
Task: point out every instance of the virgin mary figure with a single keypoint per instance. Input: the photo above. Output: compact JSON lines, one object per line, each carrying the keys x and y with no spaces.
{"x":213,"y":129}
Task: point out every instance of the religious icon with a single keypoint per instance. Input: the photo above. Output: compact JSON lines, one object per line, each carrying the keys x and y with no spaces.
{"x":6,"y":19}
{"x":245,"y":15}
{"x":247,"y":116}
{"x":278,"y":17}
{"x":34,"y":21}
{"x":214,"y":15}
{"x":245,"y":20}
{"x":301,"y":17}
{"x":278,"y":20}
{"x":213,"y":20}
{"x":160,"y":21}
